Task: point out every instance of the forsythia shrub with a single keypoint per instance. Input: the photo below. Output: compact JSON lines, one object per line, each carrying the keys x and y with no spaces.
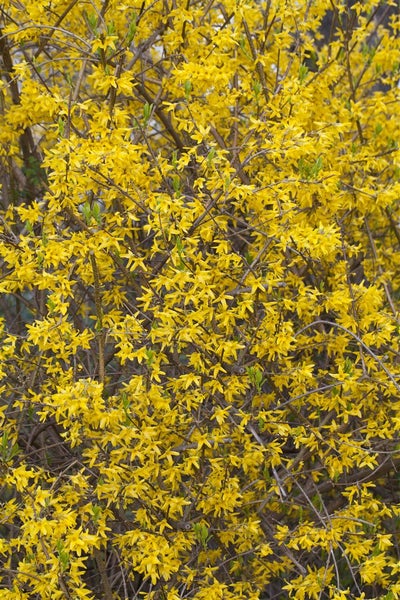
{"x":200,"y":288}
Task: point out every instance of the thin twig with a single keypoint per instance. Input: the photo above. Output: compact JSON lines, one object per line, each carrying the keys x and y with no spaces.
{"x":99,"y":313}
{"x":356,"y":337}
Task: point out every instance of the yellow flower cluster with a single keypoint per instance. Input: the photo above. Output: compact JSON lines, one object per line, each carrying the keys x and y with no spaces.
{"x":199,"y":300}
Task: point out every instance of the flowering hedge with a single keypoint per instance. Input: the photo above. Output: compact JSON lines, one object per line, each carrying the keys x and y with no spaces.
{"x":199,"y":299}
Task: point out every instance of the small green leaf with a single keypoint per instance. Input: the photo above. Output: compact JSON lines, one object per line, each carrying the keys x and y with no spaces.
{"x":179,"y":245}
{"x":96,"y":212}
{"x":348,"y":367}
{"x":176,"y":184}
{"x":86,"y":211}
{"x":92,"y":21}
{"x":202,"y":534}
{"x":96,"y":510}
{"x":188,"y":88}
{"x":131,"y":29}
{"x":111,"y":28}
{"x":50,"y":305}
{"x":150,"y":357}
{"x":210,"y":156}
{"x":257,"y":89}
{"x":61,"y":126}
{"x":147,"y":110}
{"x":62,"y":555}
{"x":303,"y":72}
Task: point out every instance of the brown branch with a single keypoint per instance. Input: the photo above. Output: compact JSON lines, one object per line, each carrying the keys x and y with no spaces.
{"x":380,"y":270}
{"x":99,"y":313}
{"x":44,"y":39}
{"x":233,"y":161}
{"x":165,"y":120}
{"x":26,"y":139}
{"x":107,"y":591}
{"x":259,"y":67}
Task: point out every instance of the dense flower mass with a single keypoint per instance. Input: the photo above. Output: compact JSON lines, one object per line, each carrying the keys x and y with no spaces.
{"x":199,"y":300}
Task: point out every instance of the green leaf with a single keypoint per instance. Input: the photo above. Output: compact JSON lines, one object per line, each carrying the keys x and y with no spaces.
{"x":96,"y":212}
{"x":132,"y":29}
{"x":147,"y":110}
{"x":176,"y":184}
{"x":92,"y":21}
{"x":303,"y":72}
{"x":188,"y":88}
{"x":210,"y":156}
{"x":61,"y":126}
